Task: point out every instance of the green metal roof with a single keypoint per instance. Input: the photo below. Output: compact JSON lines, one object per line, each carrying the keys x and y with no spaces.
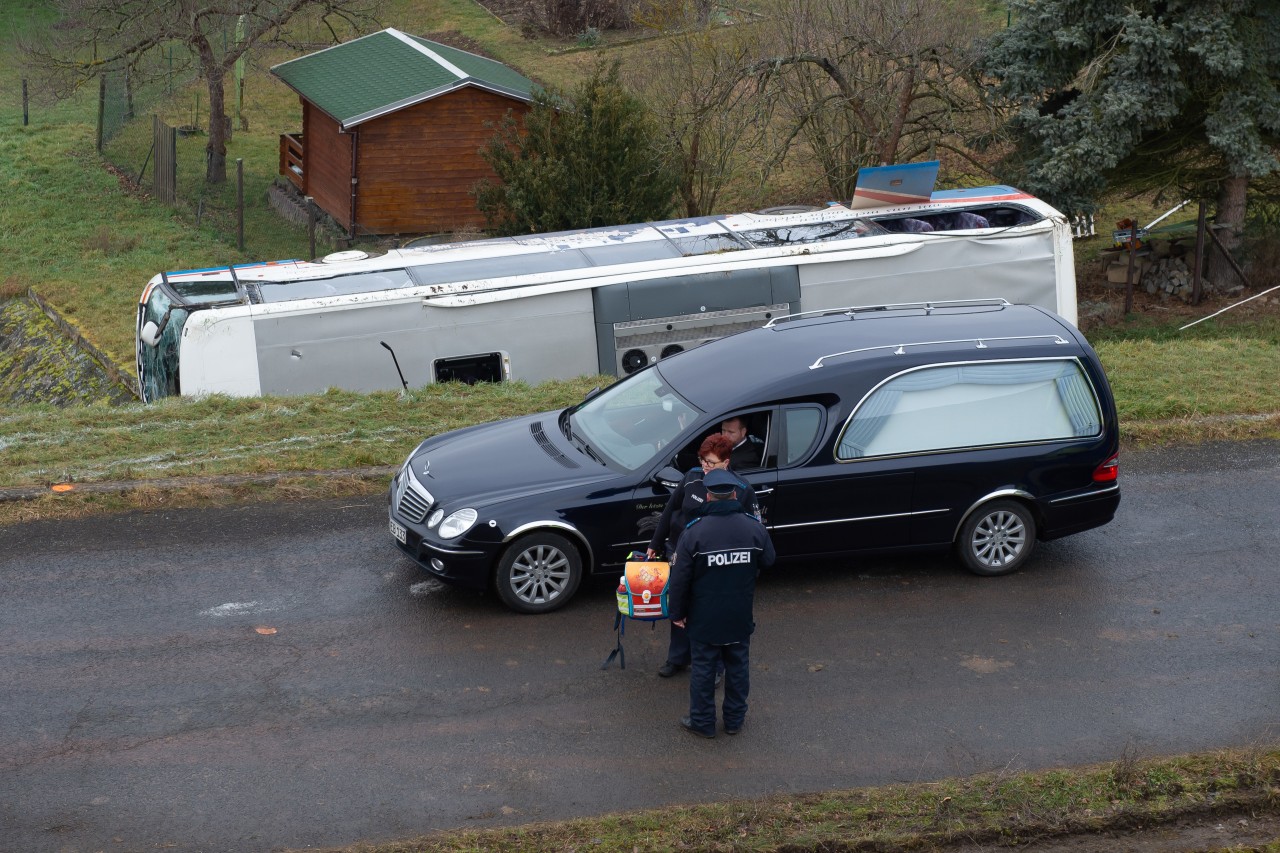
{"x":388,"y":71}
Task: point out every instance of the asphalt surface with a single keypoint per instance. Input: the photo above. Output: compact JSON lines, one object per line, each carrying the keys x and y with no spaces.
{"x":270,"y":676}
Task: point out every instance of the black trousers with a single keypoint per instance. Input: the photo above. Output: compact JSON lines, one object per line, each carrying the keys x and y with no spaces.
{"x":736,"y":660}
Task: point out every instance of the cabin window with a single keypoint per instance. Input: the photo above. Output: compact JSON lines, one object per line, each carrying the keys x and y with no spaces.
{"x":971,"y":405}
{"x":470,"y":369}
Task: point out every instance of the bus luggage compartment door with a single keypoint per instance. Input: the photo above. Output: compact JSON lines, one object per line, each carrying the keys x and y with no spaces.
{"x":640,"y":322}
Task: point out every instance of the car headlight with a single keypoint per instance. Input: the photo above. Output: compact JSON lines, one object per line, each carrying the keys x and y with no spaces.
{"x":458,"y":523}
{"x":435,"y":518}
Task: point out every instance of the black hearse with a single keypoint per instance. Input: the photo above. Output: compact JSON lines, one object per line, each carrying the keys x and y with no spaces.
{"x":975,"y":425}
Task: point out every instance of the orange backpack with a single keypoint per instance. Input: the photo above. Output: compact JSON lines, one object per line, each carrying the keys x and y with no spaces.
{"x":642,"y":594}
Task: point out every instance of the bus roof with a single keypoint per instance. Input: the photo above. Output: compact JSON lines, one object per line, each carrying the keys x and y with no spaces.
{"x":585,"y":253}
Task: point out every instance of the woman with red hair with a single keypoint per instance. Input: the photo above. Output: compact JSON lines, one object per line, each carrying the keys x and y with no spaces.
{"x":684,"y":505}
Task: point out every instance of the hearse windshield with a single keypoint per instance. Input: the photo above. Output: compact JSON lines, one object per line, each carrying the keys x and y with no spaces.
{"x":628,"y":423}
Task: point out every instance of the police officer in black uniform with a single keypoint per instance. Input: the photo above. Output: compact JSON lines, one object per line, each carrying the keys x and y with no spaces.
{"x":712,"y":590}
{"x":686,"y":503}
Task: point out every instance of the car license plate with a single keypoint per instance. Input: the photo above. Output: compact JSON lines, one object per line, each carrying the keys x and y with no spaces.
{"x":398,"y":531}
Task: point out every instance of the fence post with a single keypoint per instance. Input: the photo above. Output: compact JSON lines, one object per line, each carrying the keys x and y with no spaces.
{"x":128,"y":95}
{"x":1128,"y":279}
{"x":311,"y":227}
{"x":240,"y":203}
{"x":24,"y":101}
{"x":102,"y":107}
{"x":172,"y":174}
{"x":1195,"y":274}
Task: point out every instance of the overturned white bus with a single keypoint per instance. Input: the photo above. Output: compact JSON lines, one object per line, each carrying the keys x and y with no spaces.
{"x":605,"y":300}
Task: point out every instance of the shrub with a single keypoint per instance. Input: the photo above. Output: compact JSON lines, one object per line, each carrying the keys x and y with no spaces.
{"x":582,"y":160}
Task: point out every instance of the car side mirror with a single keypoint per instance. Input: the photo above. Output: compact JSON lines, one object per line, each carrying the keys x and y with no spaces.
{"x":669,"y":477}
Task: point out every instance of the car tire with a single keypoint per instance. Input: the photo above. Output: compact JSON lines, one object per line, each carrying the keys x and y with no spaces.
{"x":539,"y":573}
{"x":997,"y":538}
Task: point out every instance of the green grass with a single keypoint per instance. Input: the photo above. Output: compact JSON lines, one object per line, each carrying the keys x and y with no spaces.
{"x":992,"y":809}
{"x":224,"y":435}
{"x":1161,"y":389}
{"x":1155,"y":380}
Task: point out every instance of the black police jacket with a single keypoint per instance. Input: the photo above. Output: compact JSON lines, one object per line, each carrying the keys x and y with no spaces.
{"x":713,"y":581}
{"x":686,"y":503}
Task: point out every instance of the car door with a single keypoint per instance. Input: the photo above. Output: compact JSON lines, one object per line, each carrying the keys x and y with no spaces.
{"x":651,"y":495}
{"x":821,"y":506}
{"x":617,"y":516}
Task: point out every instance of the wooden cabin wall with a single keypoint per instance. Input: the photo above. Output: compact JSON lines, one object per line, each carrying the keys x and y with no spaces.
{"x":326,"y":171}
{"x":416,"y":166}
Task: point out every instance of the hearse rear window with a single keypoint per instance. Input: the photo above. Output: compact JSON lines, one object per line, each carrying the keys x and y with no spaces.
{"x":971,"y":405}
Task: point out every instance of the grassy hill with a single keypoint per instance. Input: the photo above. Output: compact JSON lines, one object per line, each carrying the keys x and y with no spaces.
{"x":75,"y":229}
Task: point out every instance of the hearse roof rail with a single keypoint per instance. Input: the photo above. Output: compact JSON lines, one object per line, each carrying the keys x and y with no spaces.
{"x":927,"y":307}
{"x":901,"y":349}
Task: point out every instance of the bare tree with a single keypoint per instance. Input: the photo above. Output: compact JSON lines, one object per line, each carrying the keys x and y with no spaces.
{"x":873,"y":82}
{"x":708,"y":109}
{"x":107,"y":35}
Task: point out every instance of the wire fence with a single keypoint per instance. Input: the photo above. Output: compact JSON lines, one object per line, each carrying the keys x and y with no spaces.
{"x":127,"y":95}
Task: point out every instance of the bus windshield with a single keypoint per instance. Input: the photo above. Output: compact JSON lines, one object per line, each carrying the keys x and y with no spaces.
{"x":158,"y":365}
{"x":205,"y":291}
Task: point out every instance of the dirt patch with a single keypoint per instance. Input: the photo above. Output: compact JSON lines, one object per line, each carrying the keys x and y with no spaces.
{"x":1237,"y":832}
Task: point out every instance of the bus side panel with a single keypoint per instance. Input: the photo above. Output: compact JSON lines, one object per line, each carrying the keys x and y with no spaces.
{"x":551,"y":336}
{"x":1018,"y":267}
{"x":218,"y":355}
{"x":340,"y":346}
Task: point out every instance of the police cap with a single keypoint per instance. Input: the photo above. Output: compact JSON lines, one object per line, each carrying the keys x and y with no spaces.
{"x":720,"y":482}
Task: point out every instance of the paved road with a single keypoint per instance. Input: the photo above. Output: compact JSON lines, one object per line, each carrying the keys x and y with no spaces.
{"x":142,"y":707}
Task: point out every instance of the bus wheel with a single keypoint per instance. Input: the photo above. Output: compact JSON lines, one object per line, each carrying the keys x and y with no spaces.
{"x":538,"y":573}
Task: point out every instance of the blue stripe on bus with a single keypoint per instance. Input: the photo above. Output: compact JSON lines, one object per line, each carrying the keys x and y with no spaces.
{"x":233,"y":266}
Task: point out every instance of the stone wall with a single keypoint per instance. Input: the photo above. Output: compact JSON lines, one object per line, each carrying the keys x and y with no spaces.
{"x":41,"y":364}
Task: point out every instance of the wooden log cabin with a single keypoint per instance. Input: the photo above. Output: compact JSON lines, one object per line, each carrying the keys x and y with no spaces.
{"x":392,"y":125}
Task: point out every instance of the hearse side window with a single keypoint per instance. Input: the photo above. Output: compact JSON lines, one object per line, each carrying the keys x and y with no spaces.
{"x":486,"y":367}
{"x":970,"y":405}
{"x":799,"y":430}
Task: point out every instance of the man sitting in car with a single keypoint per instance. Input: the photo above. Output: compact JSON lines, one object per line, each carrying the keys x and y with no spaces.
{"x":747,"y":449}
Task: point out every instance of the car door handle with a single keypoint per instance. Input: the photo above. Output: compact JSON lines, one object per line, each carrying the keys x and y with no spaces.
{"x":759,"y":492}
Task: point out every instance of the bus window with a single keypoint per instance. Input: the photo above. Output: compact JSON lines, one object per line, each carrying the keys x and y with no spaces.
{"x":486,"y":367}
{"x":808,"y":232}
